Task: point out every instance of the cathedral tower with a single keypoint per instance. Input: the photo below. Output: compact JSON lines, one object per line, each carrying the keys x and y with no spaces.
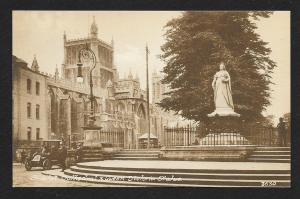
{"x":105,"y":69}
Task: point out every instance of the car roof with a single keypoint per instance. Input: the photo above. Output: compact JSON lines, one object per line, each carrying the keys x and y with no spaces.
{"x":51,"y":140}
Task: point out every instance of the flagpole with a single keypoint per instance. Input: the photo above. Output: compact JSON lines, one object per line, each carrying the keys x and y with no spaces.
{"x":148,"y":103}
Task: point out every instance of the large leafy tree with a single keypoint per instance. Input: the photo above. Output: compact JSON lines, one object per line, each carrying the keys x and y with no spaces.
{"x":196,"y":43}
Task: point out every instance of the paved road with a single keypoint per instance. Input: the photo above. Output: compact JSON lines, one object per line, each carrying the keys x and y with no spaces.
{"x":34,"y":178}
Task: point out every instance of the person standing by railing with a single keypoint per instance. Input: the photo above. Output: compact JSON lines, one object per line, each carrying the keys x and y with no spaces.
{"x":281,"y":132}
{"x":62,"y":151}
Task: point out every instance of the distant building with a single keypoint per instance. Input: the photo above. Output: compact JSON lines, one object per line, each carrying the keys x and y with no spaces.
{"x":158,"y":93}
{"x":158,"y":88}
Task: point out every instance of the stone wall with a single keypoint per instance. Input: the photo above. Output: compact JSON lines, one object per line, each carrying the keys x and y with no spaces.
{"x":21,"y":98}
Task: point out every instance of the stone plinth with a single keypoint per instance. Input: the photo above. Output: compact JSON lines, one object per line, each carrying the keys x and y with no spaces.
{"x":91,"y":136}
{"x":215,"y":153}
{"x":223,"y":112}
{"x":227,"y":139}
{"x":224,"y":124}
{"x":224,"y":130}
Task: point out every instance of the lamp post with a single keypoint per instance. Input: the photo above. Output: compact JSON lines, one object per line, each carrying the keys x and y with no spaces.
{"x":148,"y":103}
{"x":91,"y":132}
{"x":86,"y":55}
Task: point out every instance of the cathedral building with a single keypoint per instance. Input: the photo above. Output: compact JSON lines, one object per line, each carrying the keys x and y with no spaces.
{"x":56,"y":106}
{"x":158,"y":91}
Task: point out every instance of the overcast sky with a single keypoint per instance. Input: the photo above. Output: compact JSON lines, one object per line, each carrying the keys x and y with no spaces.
{"x":40,"y":33}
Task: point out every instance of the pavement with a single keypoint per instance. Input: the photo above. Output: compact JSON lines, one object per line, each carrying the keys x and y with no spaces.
{"x":35,"y":178}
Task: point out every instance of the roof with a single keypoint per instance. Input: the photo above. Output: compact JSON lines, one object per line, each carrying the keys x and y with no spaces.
{"x":19,"y":59}
{"x":23,"y":64}
{"x":53,"y":140}
{"x":145,"y":136}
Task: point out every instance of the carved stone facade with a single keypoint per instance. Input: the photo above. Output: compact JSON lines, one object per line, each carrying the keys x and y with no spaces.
{"x":65,"y":105}
{"x":158,"y":91}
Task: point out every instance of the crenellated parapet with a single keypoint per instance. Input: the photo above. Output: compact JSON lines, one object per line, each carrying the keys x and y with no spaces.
{"x":84,"y":40}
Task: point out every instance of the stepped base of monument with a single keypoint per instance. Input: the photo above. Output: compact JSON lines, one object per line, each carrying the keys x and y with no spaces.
{"x":224,"y":112}
{"x":92,"y":153}
{"x":216,"y":153}
{"x":178,"y":173}
{"x":227,"y":139}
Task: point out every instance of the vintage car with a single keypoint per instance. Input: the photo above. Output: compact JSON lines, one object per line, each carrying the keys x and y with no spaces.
{"x":37,"y":159}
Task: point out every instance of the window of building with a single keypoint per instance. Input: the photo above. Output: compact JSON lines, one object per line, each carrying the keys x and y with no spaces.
{"x":37,"y":133}
{"x":29,"y":86}
{"x":29,"y":133}
{"x":37,"y":112}
{"x":28,"y":110}
{"x":37,"y":88}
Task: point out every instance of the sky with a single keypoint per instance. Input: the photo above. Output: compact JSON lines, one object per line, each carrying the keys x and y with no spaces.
{"x":40,"y":33}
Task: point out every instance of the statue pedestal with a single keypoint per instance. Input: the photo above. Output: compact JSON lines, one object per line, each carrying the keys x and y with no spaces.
{"x":223,"y":141}
{"x":224,"y":130}
{"x":91,"y":136}
{"x":92,"y":147}
{"x":224,"y":112}
{"x":223,"y":124}
{"x":207,"y":153}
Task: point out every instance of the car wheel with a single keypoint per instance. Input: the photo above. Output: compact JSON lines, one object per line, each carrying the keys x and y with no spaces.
{"x":28,"y":165}
{"x":47,"y":164}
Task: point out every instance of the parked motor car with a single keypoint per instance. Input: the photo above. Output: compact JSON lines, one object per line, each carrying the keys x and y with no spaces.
{"x":44,"y":159}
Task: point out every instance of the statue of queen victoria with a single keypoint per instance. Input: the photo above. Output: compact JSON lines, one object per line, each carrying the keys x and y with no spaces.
{"x":222,"y":94}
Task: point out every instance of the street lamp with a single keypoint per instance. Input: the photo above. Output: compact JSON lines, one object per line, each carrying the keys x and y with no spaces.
{"x":79,"y":73}
{"x":87,"y":56}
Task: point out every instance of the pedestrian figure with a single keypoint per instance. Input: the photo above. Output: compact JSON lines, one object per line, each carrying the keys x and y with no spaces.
{"x":281,"y":132}
{"x":62,"y":156}
{"x":78,"y":152}
{"x":54,"y":152}
{"x":45,"y":152}
{"x":23,"y":156}
{"x":63,"y":139}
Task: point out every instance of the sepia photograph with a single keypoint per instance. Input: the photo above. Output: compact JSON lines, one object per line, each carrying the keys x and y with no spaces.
{"x":151,"y":99}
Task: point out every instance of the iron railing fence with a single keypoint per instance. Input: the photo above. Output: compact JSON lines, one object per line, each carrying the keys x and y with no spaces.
{"x":115,"y":137}
{"x":186,"y":136}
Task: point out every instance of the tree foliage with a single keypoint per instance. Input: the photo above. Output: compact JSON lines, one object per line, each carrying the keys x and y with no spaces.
{"x":196,"y":43}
